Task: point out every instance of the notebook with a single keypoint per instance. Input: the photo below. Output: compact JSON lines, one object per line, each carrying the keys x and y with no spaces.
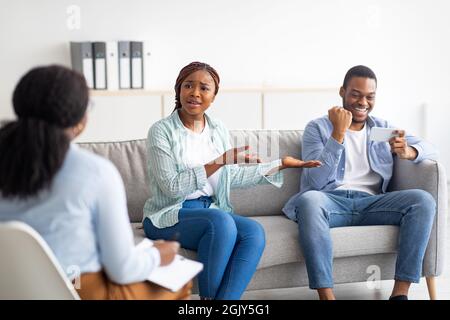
{"x":175,"y":275}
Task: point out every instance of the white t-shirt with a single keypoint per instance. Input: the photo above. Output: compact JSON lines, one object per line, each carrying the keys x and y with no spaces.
{"x":199,"y":151}
{"x":358,"y":174}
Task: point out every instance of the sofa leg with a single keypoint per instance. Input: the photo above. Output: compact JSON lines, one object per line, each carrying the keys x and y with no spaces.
{"x":431,"y":284}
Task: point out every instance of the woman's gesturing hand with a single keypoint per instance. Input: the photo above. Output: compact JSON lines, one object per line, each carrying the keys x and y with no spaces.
{"x":290,"y":162}
{"x":232,"y":156}
{"x":238,"y":155}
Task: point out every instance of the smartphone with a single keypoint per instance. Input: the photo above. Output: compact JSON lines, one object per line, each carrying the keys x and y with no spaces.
{"x":382,"y":134}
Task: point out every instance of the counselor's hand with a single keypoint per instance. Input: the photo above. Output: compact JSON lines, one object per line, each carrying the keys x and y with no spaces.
{"x":167,"y":250}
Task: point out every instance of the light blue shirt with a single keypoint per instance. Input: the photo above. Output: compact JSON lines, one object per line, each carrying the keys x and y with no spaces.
{"x":319,"y":144}
{"x":83,"y":218}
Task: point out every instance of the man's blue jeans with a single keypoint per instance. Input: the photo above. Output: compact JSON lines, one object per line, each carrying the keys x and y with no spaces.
{"x":228,"y":245}
{"x":412,"y":210}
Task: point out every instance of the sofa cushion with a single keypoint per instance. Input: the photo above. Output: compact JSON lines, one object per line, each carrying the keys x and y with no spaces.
{"x":266,"y":200}
{"x":282,"y":244}
{"x":130,"y":158}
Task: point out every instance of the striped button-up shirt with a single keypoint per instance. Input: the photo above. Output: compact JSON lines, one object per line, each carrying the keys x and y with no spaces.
{"x":171,"y":181}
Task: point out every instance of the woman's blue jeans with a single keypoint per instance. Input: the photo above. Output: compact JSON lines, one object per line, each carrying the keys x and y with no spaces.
{"x":228,"y":245}
{"x":412,"y":210}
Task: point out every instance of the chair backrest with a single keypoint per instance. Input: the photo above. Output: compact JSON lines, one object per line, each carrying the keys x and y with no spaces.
{"x":28,"y":267}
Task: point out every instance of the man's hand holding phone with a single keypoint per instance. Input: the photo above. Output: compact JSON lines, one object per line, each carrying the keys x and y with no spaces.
{"x":399,"y":146}
{"x":397,"y":141}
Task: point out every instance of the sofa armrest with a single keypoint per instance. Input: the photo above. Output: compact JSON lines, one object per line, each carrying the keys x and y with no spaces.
{"x":430,"y":176}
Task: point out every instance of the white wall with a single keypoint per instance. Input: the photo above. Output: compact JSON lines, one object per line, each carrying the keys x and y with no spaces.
{"x":252,"y":43}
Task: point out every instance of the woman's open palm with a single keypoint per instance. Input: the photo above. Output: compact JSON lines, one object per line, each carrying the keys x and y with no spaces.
{"x":291,"y":162}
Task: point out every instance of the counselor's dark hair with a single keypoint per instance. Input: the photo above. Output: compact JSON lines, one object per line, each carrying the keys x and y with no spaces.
{"x":189,"y":69}
{"x":359,"y":71}
{"x":46,"y":100}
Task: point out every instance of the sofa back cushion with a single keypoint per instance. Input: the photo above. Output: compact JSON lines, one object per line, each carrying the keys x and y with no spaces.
{"x":131,"y":160}
{"x":129,"y":157}
{"x":265,"y":200}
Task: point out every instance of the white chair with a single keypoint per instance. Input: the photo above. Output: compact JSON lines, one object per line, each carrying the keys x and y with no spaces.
{"x":28,"y":267}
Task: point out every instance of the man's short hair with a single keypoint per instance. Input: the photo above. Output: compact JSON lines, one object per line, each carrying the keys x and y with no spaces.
{"x":359,"y":71}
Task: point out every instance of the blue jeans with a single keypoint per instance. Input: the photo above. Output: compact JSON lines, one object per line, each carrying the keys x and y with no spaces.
{"x":412,"y":210}
{"x":228,"y":245}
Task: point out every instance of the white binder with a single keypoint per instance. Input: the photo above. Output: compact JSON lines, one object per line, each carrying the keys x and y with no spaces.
{"x":124,"y":65}
{"x":136,"y":65}
{"x":112,"y":65}
{"x":88,"y":72}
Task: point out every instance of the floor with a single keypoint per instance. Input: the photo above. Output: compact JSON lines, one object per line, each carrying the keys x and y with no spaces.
{"x":361,"y":291}
{"x":354,"y":291}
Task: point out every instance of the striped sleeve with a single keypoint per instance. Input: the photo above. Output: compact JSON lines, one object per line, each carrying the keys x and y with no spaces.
{"x":162,"y":164}
{"x":247,"y":176}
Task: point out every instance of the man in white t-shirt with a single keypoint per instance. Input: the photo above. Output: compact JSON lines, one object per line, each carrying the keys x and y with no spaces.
{"x":350,"y":188}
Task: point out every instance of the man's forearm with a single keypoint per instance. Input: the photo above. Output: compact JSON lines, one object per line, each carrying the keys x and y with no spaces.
{"x":338,"y":136}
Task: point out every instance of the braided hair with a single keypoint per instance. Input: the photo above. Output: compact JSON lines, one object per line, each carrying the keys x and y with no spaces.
{"x":188,"y":70}
{"x":46,"y":100}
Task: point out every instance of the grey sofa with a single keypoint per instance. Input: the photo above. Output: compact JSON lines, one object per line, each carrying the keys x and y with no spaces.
{"x":356,"y":249}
